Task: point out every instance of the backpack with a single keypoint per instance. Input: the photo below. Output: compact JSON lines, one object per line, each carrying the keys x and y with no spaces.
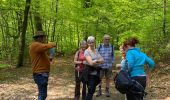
{"x":77,"y":58}
{"x":125,"y":84}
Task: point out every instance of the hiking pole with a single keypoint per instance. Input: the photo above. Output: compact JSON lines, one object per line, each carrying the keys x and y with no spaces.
{"x":78,"y":72}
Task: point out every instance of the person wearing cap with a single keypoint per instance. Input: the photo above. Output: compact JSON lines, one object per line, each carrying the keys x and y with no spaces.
{"x":106,"y":50}
{"x":40,"y":62}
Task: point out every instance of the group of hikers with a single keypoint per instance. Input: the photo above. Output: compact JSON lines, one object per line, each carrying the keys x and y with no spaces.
{"x":92,"y":64}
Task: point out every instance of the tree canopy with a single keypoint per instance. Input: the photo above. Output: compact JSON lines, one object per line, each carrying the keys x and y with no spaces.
{"x":67,"y":22}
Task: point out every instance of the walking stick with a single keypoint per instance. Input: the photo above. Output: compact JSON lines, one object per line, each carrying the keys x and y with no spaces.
{"x":78,"y":72}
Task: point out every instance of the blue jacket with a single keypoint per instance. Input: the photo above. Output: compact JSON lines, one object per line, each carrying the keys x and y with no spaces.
{"x":136,"y":60}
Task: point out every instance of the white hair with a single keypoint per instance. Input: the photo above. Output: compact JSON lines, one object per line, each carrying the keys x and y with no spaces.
{"x":106,"y":36}
{"x":83,"y":42}
{"x":90,"y":39}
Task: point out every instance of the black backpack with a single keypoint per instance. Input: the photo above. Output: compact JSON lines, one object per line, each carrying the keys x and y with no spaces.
{"x":124,"y":84}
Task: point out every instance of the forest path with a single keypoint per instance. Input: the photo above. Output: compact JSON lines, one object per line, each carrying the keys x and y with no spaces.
{"x":17,"y":84}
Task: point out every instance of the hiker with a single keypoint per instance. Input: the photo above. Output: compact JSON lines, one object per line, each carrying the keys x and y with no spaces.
{"x":79,"y":61}
{"x":135,"y":61}
{"x":123,"y":59}
{"x":93,"y":59}
{"x":106,"y":50}
{"x":123,"y":53}
{"x":40,"y":62}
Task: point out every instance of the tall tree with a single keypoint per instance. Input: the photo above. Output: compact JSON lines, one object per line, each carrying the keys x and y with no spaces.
{"x":55,"y":21}
{"x":164,"y":18}
{"x":22,"y":46}
{"x":37,"y":18}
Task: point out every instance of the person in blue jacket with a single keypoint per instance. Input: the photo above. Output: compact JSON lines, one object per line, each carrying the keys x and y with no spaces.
{"x":136,"y":61}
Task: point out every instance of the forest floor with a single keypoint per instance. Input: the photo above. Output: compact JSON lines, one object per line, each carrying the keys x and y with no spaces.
{"x":17,"y":83}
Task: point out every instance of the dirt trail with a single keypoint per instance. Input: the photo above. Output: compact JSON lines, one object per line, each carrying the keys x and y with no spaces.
{"x":17,"y":84}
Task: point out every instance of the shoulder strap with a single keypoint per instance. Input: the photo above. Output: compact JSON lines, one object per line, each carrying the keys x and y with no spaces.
{"x":78,"y":55}
{"x":112,"y":50}
{"x":99,"y":47}
{"x":126,"y":65}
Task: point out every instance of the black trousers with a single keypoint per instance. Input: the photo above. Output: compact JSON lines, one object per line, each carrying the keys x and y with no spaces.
{"x":142,"y":81}
{"x":93,"y":81}
{"x":77,"y":87}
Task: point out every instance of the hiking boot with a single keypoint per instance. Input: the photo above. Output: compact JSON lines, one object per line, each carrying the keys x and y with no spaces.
{"x":99,"y":93}
{"x":107,"y":93}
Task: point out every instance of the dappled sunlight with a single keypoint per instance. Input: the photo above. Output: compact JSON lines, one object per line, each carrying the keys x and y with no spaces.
{"x":19,"y":85}
{"x":168,"y":98}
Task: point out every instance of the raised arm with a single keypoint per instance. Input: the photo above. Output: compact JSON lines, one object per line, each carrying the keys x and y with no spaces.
{"x":40,"y":47}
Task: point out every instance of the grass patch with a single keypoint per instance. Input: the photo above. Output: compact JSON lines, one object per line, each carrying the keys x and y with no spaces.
{"x":12,"y":75}
{"x":4,"y":65}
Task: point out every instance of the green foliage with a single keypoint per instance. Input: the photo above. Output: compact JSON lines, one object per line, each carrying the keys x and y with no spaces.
{"x":70,"y":21}
{"x":3,"y":65}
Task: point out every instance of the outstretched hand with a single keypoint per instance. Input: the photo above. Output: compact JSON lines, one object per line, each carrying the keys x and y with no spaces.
{"x":52,"y":43}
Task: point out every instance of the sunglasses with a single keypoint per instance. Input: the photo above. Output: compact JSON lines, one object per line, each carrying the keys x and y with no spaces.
{"x":90,"y":42}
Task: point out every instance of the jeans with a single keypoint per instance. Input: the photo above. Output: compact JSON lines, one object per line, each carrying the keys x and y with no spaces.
{"x":77,"y":87}
{"x":93,"y":81}
{"x":41,"y":79}
{"x":142,"y":81}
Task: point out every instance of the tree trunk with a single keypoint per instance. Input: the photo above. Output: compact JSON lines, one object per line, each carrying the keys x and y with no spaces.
{"x":37,"y":18}
{"x":164,"y":19}
{"x":54,"y":24}
{"x":38,"y":23}
{"x":31,"y":23}
{"x":78,"y":34}
{"x":22,"y":46}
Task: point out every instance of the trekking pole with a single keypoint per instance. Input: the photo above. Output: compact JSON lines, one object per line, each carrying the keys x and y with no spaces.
{"x":78,"y":72}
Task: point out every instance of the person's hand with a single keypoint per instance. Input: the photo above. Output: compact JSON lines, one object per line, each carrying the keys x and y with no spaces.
{"x":100,"y":61}
{"x":52,"y":43}
{"x":95,"y":62}
{"x":79,"y":62}
{"x":77,"y":68}
{"x":52,"y":62}
{"x":84,"y":62}
{"x":118,"y":66}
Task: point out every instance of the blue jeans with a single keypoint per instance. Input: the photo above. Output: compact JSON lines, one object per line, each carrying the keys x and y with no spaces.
{"x":41,"y":79}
